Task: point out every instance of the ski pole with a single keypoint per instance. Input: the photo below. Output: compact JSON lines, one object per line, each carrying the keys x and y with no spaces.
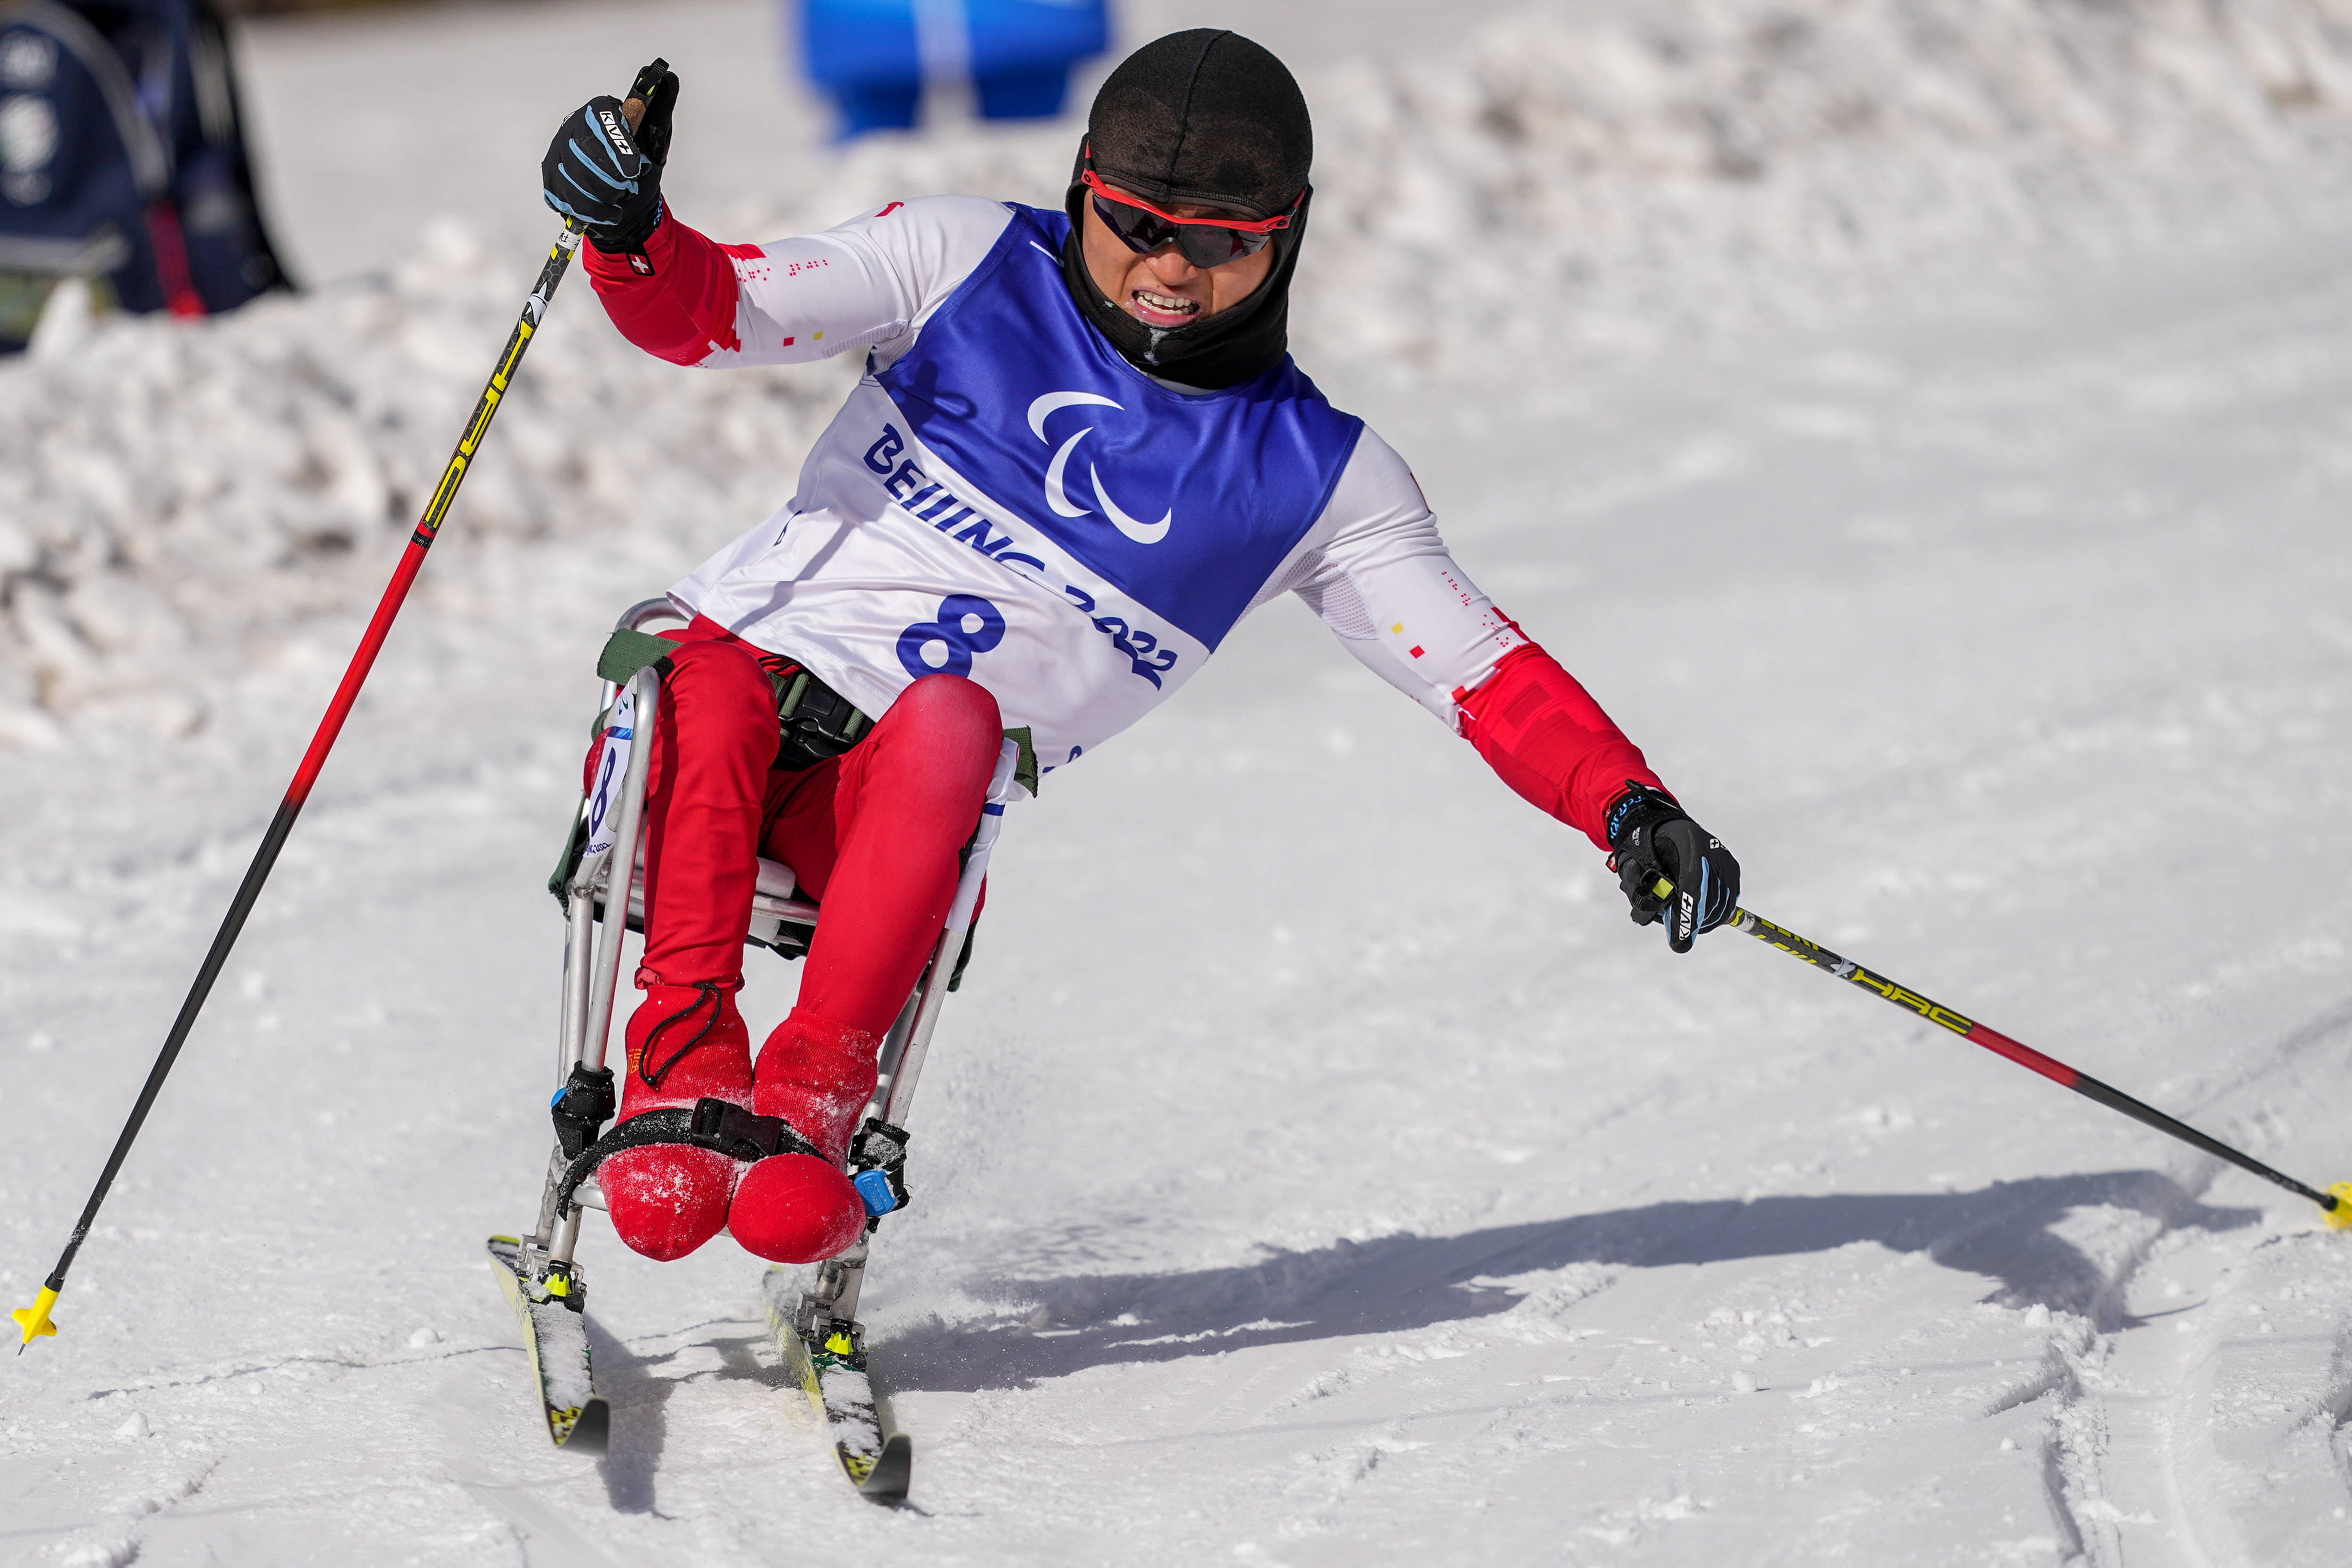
{"x":34,"y":1320}
{"x":2337,"y":1201}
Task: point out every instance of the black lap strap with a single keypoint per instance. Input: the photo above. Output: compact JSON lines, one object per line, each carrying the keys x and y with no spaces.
{"x":719,"y":1126}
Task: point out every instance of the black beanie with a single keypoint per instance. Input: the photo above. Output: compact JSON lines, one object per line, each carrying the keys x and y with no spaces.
{"x":1203,"y":117}
{"x":1206,"y":116}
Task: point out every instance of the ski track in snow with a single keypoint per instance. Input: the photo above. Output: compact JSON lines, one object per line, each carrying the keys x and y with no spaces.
{"x":1318,"y":1169}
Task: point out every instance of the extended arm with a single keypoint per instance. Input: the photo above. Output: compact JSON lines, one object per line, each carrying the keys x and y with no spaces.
{"x":1380,"y":577}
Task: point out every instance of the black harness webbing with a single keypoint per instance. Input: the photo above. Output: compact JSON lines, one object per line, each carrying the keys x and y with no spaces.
{"x":719,"y":1126}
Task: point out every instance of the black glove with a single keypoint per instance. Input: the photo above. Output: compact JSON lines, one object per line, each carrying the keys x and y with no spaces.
{"x":607,"y":178}
{"x":1654,"y":841}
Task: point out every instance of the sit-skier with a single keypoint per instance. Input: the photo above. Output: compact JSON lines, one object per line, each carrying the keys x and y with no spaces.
{"x":1079,"y":454}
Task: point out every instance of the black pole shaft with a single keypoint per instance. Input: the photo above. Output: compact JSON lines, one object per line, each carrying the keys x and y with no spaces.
{"x":247,"y":893}
{"x":2025,"y":1056}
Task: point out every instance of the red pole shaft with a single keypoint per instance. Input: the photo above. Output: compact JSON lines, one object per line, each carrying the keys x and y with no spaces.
{"x":331,"y":726}
{"x":1992,"y":1039}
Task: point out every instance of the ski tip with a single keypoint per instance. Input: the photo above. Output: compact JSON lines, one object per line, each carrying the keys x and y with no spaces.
{"x":35,"y":1320}
{"x":2339,"y":1218}
{"x":887,"y":1481}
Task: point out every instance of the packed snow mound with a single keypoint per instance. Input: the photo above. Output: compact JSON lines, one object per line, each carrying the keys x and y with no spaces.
{"x":1625,"y":172}
{"x":1592,"y":174}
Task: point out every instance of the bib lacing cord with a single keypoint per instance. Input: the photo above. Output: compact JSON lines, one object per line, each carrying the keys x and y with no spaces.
{"x":645,"y":1070}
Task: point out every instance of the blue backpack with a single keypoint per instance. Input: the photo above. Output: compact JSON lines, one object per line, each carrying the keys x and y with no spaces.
{"x":122,"y":161}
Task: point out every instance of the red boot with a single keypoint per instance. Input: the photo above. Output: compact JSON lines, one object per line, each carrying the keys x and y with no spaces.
{"x":685,"y":1043}
{"x":796,"y":1208}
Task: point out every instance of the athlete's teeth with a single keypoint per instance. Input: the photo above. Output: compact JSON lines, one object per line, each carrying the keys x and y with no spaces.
{"x":1162,"y":302}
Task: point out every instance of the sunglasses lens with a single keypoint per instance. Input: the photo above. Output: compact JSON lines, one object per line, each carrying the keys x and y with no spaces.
{"x":1143,"y":232}
{"x":1203,"y":245}
{"x":1212,"y":248}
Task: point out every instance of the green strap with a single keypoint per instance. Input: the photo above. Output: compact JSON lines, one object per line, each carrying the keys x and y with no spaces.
{"x":574,"y":843}
{"x":626,"y":652}
{"x":1024,"y":766}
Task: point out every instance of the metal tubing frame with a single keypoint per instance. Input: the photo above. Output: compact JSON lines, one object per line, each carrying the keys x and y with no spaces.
{"x":618,"y":867}
{"x":591,"y":977}
{"x":595,"y":1025}
{"x":934,"y":994}
{"x":840,"y":1279}
{"x":893,"y":1053}
{"x":581,"y":949}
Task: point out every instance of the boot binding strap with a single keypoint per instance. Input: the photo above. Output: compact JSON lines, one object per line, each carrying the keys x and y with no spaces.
{"x":719,"y":1125}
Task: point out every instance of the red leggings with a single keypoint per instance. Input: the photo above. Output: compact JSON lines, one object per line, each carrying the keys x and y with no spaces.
{"x":873,"y":833}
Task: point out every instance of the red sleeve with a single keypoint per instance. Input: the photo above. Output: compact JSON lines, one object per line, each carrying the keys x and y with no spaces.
{"x":1549,"y":741}
{"x":676,"y":301}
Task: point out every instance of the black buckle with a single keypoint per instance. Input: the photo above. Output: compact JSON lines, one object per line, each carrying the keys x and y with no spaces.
{"x":726,"y":1128}
{"x":817,"y":722}
{"x":879,"y":1146}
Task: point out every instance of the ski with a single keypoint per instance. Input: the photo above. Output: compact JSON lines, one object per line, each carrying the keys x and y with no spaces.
{"x":555,"y":1337}
{"x":827,"y":1357}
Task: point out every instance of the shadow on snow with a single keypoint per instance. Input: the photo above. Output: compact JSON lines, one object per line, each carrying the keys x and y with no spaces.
{"x":1403,"y":1283}
{"x":640,"y":1387}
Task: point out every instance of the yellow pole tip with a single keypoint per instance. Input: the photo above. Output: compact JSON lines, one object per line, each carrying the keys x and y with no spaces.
{"x":35,"y":1320}
{"x":2340,"y":1216}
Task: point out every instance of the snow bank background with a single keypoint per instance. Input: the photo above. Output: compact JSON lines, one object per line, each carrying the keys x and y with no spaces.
{"x":1568,"y":184}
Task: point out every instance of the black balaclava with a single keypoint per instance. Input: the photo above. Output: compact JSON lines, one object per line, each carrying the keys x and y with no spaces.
{"x":1204,"y":116}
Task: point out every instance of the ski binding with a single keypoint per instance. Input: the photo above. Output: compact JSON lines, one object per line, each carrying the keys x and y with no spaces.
{"x":549,"y":1303}
{"x":826,"y":1355}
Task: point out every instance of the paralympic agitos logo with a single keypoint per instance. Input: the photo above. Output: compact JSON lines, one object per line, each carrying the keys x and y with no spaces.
{"x":1058,"y":495}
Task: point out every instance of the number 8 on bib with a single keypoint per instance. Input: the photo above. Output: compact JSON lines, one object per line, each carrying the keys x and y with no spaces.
{"x":951,"y":632}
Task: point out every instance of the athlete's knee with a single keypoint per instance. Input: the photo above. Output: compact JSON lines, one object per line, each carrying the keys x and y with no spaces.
{"x":938,"y":742}
{"x":952,"y":711}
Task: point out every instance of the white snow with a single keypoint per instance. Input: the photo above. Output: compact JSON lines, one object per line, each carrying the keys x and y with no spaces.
{"x":1922,"y":425}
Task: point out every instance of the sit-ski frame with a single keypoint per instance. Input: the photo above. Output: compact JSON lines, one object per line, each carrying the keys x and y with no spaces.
{"x":824,"y":1317}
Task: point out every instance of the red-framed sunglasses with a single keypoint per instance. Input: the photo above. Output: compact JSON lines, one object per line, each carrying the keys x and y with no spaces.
{"x":1206,"y":242}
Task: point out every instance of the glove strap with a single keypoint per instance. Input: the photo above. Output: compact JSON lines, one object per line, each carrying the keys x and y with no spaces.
{"x":1641,"y":806}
